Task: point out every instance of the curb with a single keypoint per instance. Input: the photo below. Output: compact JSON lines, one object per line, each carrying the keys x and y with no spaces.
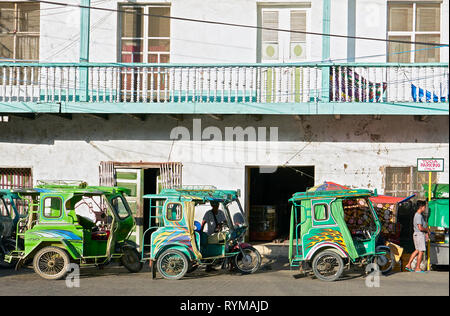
{"x":271,"y":251}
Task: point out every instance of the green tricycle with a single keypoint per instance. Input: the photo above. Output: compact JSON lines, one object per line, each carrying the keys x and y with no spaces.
{"x":333,"y":229}
{"x":176,"y":240}
{"x":70,"y":222}
{"x":9,"y":218}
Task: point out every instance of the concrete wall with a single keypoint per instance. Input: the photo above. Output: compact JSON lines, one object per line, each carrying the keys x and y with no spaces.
{"x":351,"y":151}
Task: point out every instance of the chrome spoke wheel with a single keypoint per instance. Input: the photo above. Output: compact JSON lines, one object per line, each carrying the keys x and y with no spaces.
{"x":172,"y":264}
{"x":248,"y":261}
{"x":51,"y":263}
{"x":328,"y":265}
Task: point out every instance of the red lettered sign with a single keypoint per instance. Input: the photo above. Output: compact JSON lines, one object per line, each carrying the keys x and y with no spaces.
{"x":430,"y":164}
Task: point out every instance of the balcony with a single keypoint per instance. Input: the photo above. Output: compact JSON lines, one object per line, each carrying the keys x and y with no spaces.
{"x":295,"y":89}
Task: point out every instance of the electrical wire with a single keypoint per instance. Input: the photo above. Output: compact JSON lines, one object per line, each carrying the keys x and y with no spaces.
{"x":239,"y":25}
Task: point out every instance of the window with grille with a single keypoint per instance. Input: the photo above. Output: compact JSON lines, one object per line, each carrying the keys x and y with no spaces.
{"x":11,"y":178}
{"x":414,"y":22}
{"x":19,"y":31}
{"x":405,"y":181}
{"x":278,"y":46}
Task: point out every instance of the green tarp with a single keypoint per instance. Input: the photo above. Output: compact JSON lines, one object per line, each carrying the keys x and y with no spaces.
{"x":438,"y":213}
{"x":338,"y":214}
{"x":438,"y":191}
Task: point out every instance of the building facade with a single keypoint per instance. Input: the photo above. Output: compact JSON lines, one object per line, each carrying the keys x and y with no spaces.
{"x":115,"y":92}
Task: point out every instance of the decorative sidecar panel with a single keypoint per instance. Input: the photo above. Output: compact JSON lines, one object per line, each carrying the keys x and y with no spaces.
{"x":178,"y":237}
{"x":324,"y":237}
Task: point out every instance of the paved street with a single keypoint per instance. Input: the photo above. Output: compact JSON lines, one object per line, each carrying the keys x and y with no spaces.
{"x":275,"y":278}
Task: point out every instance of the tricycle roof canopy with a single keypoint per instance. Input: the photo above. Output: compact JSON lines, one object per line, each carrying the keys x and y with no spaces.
{"x":197,"y":193}
{"x":333,"y":193}
{"x":81,"y":188}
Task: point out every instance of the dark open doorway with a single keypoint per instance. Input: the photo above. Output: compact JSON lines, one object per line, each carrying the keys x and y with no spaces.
{"x":268,"y":195}
{"x":150,"y":187}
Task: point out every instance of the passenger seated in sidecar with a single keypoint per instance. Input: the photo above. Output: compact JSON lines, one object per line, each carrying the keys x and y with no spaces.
{"x":214,"y":220}
{"x":89,"y":216}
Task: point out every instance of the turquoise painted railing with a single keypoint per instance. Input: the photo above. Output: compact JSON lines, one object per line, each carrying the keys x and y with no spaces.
{"x":223,"y":83}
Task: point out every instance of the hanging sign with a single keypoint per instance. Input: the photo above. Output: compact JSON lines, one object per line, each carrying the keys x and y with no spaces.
{"x":430,"y":164}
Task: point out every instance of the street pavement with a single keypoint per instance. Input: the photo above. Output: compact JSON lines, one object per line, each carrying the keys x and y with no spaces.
{"x":274,"y":278}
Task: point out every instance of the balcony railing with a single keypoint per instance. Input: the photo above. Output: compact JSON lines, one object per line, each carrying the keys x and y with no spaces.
{"x":224,"y":84}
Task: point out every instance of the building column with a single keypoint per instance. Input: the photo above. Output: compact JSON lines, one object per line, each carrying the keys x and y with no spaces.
{"x":351,"y":30}
{"x":85,"y":20}
{"x":326,"y":50}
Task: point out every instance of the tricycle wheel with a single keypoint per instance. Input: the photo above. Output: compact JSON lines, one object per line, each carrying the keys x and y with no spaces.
{"x":51,"y":263}
{"x":172,"y":264}
{"x":328,"y":266}
{"x":131,"y":260}
{"x":385,"y":262}
{"x":249,"y":262}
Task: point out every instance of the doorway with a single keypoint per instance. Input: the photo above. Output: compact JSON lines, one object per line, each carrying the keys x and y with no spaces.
{"x":267,"y":199}
{"x":150,"y":187}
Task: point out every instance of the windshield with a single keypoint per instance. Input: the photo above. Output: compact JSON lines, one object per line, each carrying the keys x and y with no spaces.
{"x":4,"y":211}
{"x":236,"y":212}
{"x":91,"y":210}
{"x":231,"y":212}
{"x":120,"y":206}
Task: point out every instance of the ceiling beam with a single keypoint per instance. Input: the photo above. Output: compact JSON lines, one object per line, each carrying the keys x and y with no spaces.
{"x":218,"y":117}
{"x":140,"y":117}
{"x":178,"y":117}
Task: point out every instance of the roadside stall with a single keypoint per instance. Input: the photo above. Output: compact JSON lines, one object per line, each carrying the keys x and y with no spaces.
{"x":385,"y":206}
{"x":438,"y":221}
{"x":387,"y":209}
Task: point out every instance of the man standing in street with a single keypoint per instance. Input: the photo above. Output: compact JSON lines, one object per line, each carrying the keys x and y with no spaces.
{"x":420,"y":235}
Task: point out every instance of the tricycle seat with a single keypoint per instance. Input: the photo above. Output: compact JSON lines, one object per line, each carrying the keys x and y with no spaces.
{"x":100,"y":235}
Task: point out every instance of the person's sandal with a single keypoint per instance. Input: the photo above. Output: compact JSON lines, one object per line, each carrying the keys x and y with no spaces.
{"x":408,"y":269}
{"x":421,"y":271}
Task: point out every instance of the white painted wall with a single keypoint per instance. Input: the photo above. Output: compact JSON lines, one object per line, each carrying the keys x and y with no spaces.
{"x":350,"y":151}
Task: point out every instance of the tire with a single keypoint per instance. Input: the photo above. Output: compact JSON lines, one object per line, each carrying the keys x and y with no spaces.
{"x":386,"y":262}
{"x":172,"y":264}
{"x":9,"y":246}
{"x":51,"y":263}
{"x":248,"y":264}
{"x":328,"y":266}
{"x":131,"y":260}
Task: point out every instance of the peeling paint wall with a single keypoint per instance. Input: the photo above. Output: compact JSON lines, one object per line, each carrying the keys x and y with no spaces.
{"x":342,"y":151}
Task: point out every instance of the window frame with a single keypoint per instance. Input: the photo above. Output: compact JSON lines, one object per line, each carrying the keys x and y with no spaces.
{"x":145,"y":38}
{"x":61,"y":211}
{"x":167,"y":213}
{"x":284,"y":38}
{"x":327,"y":212}
{"x":413,"y":33}
{"x":116,"y":210}
{"x":17,"y":33}
{"x":413,"y":184}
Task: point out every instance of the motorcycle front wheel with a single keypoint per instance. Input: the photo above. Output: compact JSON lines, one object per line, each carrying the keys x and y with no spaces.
{"x":248,"y":262}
